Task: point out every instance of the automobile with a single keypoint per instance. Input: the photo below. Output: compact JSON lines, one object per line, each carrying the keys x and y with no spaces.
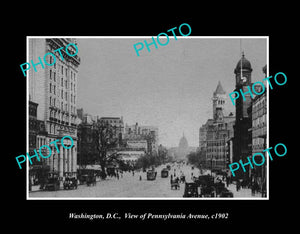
{"x":175,"y":184}
{"x":191,"y":190}
{"x":70,"y":183}
{"x":52,"y":181}
{"x":164,"y":173}
{"x":151,"y":175}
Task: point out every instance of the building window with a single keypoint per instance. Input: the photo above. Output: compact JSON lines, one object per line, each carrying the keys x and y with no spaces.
{"x":62,"y":82}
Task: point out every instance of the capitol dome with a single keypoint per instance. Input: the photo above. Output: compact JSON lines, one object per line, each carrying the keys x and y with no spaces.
{"x":183,"y":144}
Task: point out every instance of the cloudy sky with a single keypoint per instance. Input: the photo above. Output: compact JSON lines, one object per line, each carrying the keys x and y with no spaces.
{"x":170,"y":87}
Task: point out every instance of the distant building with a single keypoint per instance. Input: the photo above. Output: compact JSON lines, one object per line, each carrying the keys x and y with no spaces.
{"x":141,"y":132}
{"x":130,"y":157}
{"x":117,"y":124}
{"x":183,"y":148}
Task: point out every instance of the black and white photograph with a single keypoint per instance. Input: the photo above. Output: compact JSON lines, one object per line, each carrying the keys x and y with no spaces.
{"x":148,"y":117}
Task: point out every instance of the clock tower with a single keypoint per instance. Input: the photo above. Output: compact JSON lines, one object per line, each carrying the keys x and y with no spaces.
{"x":243,"y":83}
{"x":242,"y":139}
{"x":219,"y":98}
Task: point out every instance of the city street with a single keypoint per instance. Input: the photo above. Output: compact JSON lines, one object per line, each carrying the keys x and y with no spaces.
{"x":131,"y":186}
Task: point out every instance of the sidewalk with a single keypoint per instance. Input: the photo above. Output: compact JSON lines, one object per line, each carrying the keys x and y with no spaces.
{"x":243,"y":192}
{"x":35,"y":188}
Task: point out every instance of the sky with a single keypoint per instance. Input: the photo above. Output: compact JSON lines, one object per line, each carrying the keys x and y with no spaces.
{"x":169,"y":87}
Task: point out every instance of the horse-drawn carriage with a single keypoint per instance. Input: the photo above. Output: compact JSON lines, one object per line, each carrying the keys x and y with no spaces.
{"x":87,"y":176}
{"x":52,"y":181}
{"x":70,"y":183}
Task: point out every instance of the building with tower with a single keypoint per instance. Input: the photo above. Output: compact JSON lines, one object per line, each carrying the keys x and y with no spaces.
{"x":218,"y":99}
{"x":54,"y":89}
{"x":214,"y":134}
{"x":242,"y":135}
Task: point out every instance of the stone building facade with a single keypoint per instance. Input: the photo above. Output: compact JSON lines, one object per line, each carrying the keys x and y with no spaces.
{"x":54,"y":89}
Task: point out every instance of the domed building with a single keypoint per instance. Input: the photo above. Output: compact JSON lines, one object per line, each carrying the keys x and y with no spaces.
{"x":183,"y":143}
{"x":183,"y":148}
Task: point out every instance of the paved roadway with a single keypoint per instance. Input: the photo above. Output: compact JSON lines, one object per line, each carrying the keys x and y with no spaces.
{"x":127,"y":186}
{"x":131,"y":186}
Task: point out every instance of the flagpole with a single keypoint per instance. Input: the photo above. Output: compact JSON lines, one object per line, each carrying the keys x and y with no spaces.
{"x":241,"y":57}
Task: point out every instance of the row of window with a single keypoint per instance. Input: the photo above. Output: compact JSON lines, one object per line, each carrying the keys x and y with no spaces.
{"x":261,"y":104}
{"x":52,"y":89}
{"x":61,"y":68}
{"x":260,"y":121}
{"x":63,"y":106}
{"x":216,"y":149}
{"x":221,"y":102}
{"x":61,"y":116}
{"x":54,"y":128}
{"x":63,"y":82}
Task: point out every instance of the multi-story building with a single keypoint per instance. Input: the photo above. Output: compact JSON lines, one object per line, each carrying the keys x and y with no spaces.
{"x":214,"y":134}
{"x":117,"y":124}
{"x":258,"y":111}
{"x":140,"y":132}
{"x":54,"y":89}
{"x":242,"y":136}
{"x":37,"y":133}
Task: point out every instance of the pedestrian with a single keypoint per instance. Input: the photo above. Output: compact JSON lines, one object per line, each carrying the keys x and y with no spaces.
{"x":253,"y":190}
{"x":140,"y":177}
{"x":238,"y":184}
{"x":227,"y":181}
{"x":132,"y":172}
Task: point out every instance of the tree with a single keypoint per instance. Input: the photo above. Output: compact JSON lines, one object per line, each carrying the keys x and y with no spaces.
{"x":106,"y":140}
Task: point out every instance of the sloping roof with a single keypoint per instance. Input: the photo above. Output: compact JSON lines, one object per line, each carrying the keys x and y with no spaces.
{"x":219,"y":89}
